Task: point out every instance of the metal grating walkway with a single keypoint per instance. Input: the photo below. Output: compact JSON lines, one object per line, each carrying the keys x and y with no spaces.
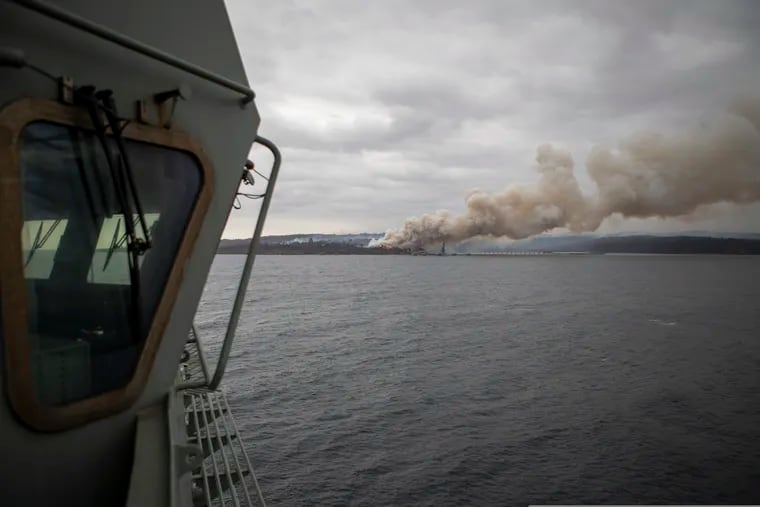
{"x":225,"y":476}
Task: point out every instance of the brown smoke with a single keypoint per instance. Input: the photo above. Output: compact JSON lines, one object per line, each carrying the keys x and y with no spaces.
{"x":646,"y":175}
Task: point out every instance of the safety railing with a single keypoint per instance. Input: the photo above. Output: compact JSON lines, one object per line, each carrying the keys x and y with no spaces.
{"x":213,"y":381}
{"x":225,"y":474}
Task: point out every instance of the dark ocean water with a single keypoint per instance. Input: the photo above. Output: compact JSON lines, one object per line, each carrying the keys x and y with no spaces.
{"x":387,"y":380}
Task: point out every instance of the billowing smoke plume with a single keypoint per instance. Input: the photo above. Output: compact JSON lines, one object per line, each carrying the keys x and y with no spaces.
{"x":646,"y":175}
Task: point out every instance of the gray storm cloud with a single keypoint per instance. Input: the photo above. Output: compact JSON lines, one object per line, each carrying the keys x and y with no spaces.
{"x":646,"y":175}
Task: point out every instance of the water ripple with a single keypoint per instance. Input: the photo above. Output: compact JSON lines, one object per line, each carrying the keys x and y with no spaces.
{"x":468,"y":381}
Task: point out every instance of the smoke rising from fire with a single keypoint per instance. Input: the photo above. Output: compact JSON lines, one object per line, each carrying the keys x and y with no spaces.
{"x":645,"y":175}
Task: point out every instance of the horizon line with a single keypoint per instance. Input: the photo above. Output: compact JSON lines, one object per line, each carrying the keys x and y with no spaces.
{"x":625,"y":233}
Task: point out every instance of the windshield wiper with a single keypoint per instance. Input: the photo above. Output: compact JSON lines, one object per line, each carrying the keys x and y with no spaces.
{"x":109,"y":108}
{"x":123,"y":183}
{"x":40,"y":239}
{"x":116,"y":242}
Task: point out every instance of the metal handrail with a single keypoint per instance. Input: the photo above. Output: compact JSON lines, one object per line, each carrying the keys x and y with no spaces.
{"x":245,"y":277}
{"x":120,"y":39}
{"x":213,"y":383}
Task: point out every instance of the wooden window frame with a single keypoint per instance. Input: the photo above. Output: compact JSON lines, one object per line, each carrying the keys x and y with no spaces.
{"x":13,"y":294}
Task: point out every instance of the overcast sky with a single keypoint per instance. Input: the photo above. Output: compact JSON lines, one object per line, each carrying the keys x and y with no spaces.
{"x":389,"y":109}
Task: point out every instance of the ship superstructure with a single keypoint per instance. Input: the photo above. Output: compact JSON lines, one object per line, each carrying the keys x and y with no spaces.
{"x":124,"y":135}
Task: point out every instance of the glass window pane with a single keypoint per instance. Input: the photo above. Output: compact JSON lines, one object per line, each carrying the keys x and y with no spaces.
{"x":89,"y":315}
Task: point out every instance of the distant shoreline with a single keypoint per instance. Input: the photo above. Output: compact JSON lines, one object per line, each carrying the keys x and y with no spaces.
{"x":308,"y":249}
{"x":546,"y":254}
{"x":574,"y":245}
